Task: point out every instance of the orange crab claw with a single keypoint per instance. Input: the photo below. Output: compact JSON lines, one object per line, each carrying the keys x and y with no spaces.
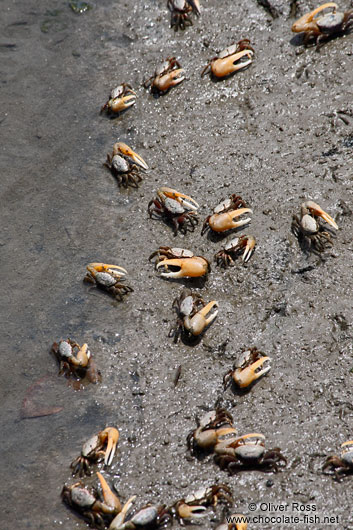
{"x":228,"y":65}
{"x":307,"y":23}
{"x":200,"y":321}
{"x":185,"y":511}
{"x":82,"y":357}
{"x":111,"y":501}
{"x":167,"y":81}
{"x":315,"y":209}
{"x":225,"y":221}
{"x":120,"y":518}
{"x":111,"y":436}
{"x":104,"y":267}
{"x":258,"y":438}
{"x":177,"y":196}
{"x":124,"y":149}
{"x":188,"y":267}
{"x":122,"y":103}
{"x":249,"y":248}
{"x":244,"y":377}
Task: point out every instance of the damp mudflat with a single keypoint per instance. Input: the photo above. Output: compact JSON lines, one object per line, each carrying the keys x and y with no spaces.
{"x":277,"y":133}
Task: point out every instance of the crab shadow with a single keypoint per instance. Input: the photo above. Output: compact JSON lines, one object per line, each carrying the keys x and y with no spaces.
{"x":219,"y":237}
{"x":299,"y":40}
{"x":190,"y":283}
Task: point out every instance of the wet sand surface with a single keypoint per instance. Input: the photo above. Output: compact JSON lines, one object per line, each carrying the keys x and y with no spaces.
{"x":277,"y":133}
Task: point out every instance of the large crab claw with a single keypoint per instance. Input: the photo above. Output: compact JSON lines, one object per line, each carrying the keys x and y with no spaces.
{"x":249,"y":243}
{"x":121,"y":103}
{"x":187,"y":267}
{"x":244,"y":377}
{"x":200,"y":321}
{"x":231,"y":64}
{"x":306,"y":22}
{"x":82,"y":357}
{"x":226,"y":221}
{"x":111,"y":502}
{"x":187,"y":512}
{"x":121,"y":148}
{"x":189,"y":203}
{"x":117,"y":522}
{"x":195,"y":4}
{"x":314,"y":209}
{"x":111,"y":436}
{"x":93,"y":268}
{"x":167,"y":81}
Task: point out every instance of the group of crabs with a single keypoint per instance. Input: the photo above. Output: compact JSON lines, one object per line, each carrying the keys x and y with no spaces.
{"x":215,"y":432}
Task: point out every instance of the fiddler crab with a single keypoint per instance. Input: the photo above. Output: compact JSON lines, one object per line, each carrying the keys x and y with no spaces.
{"x":180,"y":10}
{"x":194,"y":506}
{"x":101,"y":445}
{"x":251,"y":365}
{"x":247,"y":452}
{"x":179,"y":209}
{"x":75,"y":359}
{"x":121,"y":98}
{"x":343,"y":464}
{"x":243,"y":244}
{"x":310,"y":233}
{"x":95,"y":511}
{"x":109,"y":278}
{"x":214,"y":427}
{"x":194,"y":315}
{"x":180,"y":263}
{"x":150,"y":516}
{"x":239,"y":523}
{"x":167,"y":74}
{"x":234,"y":58}
{"x":319,"y":27}
{"x":123,"y":162}
{"x":224,"y":215}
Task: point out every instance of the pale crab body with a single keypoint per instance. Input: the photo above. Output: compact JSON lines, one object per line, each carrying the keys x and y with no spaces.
{"x":109,"y":278}
{"x":309,"y":231}
{"x":99,"y":446}
{"x":124,"y":164}
{"x":232,"y":59}
{"x":73,"y":358}
{"x":343,"y":464}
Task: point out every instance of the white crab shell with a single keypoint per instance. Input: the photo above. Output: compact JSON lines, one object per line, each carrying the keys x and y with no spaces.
{"x":65,"y":349}
{"x":331,"y":22}
{"x":105,"y":279}
{"x":120,"y":164}
{"x":224,"y":205}
{"x":82,"y":497}
{"x":90,"y":445}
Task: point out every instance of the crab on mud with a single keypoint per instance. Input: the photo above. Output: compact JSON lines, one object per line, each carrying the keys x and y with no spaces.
{"x":251,"y":365}
{"x":194,"y":506}
{"x":226,"y":256}
{"x":194,"y":315}
{"x":86,"y":501}
{"x":75,"y":360}
{"x":109,"y":278}
{"x":151,"y":516}
{"x":180,"y":10}
{"x":307,"y":228}
{"x":99,"y":446}
{"x":319,"y":27}
{"x":248,"y":452}
{"x":234,"y":58}
{"x":121,"y":98}
{"x":214,"y":427}
{"x":180,"y":263}
{"x":343,"y":464}
{"x":224,"y":215}
{"x":124,"y":164}
{"x":167,"y":75}
{"x":178,"y":209}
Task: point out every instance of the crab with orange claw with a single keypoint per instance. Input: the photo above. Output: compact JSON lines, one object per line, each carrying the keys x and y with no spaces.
{"x":194,"y":315}
{"x":214,"y":427}
{"x":99,"y":446}
{"x":180,"y":11}
{"x":180,"y":263}
{"x":226,"y":256}
{"x":251,"y":365}
{"x":167,"y":75}
{"x":343,"y":464}
{"x":195,"y":506}
{"x":248,"y":452}
{"x":73,"y":358}
{"x":121,"y":98}
{"x":307,"y":228}
{"x":87,"y":502}
{"x":225,"y":214}
{"x":237,"y":522}
{"x":178,"y":209}
{"x":234,"y":58}
{"x":318,"y":26}
{"x":150,"y":516}
{"x":123,"y":162}
{"x":109,"y":278}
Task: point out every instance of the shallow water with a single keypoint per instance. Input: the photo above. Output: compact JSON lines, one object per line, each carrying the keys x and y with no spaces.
{"x":273,"y":134}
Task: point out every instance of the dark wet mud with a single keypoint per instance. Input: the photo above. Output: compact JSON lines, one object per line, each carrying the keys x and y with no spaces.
{"x":277,"y":133}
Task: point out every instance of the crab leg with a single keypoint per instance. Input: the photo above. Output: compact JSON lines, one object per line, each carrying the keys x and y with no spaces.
{"x":245,"y":377}
{"x":111,"y":435}
{"x":124,"y":149}
{"x":316,"y":210}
